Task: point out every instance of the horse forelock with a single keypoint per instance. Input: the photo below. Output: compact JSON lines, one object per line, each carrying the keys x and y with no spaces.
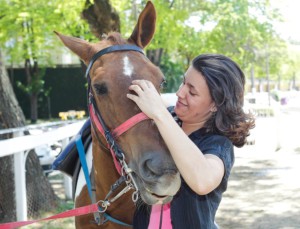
{"x":116,"y":38}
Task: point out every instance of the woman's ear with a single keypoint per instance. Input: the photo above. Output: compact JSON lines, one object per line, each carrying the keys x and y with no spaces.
{"x":213,"y":108}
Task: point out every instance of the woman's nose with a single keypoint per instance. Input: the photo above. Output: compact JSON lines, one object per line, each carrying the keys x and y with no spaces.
{"x":180,"y":91}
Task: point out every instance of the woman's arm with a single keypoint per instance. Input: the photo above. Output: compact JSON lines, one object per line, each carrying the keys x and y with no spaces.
{"x":203,"y":173}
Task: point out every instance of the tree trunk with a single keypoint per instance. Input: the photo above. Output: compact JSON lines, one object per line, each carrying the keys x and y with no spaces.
{"x":38,"y":187}
{"x":155,"y":56}
{"x":40,"y":194}
{"x":32,"y":78}
{"x":101,"y":17}
{"x":33,"y":108}
{"x":253,"y":89}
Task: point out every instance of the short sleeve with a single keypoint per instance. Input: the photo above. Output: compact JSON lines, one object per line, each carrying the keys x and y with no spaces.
{"x":219,"y":146}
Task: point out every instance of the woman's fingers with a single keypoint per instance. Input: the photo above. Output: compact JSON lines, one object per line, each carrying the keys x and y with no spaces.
{"x":132,"y":97}
{"x":144,"y":84}
{"x":141,"y":86}
{"x":146,"y":97}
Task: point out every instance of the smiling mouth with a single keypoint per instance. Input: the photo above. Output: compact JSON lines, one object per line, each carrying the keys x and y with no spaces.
{"x":181,"y":103}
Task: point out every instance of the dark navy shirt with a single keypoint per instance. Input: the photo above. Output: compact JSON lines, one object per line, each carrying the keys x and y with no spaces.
{"x":188,"y":209}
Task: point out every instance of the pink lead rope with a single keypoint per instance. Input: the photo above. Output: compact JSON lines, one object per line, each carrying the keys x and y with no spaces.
{"x":160,"y":217}
{"x":73,"y":212}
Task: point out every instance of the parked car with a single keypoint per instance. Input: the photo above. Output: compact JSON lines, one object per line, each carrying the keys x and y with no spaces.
{"x":46,"y":153}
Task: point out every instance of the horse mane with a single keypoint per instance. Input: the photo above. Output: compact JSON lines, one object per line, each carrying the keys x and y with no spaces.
{"x":116,"y":38}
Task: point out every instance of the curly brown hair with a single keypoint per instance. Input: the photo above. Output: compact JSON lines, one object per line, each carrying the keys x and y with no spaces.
{"x":226,"y":82}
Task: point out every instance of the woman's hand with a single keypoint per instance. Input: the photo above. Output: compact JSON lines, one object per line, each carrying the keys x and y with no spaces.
{"x":147,"y":98}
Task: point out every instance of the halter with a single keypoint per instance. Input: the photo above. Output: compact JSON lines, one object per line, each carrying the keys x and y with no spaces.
{"x":110,"y":136}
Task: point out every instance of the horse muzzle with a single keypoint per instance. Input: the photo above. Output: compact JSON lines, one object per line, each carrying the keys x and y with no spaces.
{"x":157,"y":178}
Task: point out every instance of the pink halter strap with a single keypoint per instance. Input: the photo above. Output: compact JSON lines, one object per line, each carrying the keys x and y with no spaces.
{"x":118,"y":130}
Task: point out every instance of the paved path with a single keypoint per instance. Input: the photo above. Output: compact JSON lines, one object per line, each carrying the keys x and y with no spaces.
{"x":264,"y":189}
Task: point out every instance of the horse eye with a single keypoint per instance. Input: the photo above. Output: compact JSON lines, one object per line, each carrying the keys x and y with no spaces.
{"x":163,"y":84}
{"x":100,"y":89}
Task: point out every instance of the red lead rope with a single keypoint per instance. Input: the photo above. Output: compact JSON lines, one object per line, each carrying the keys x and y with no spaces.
{"x":73,"y":212}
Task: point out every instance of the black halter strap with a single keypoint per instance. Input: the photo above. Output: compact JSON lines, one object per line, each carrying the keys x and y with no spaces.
{"x":110,"y":49}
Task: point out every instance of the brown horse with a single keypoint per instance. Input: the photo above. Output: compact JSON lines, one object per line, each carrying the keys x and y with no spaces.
{"x":139,"y":155}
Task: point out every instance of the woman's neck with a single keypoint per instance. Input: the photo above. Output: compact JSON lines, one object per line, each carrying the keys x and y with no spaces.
{"x":189,"y":128}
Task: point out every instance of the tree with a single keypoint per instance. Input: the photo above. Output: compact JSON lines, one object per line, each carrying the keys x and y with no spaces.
{"x":101,"y":17}
{"x":26,"y":33}
{"x":291,"y":68}
{"x":39,"y":191}
{"x":170,"y":24}
{"x":232,"y":27}
{"x":11,"y":116}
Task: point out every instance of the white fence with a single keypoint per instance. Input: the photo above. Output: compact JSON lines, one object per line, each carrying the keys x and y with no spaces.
{"x":21,"y":144}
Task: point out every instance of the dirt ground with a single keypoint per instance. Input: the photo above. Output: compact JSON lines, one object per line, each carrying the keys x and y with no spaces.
{"x":264,"y":188}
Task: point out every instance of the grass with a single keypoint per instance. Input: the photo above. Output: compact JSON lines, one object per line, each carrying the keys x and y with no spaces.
{"x":67,"y":223}
{"x":63,"y":205}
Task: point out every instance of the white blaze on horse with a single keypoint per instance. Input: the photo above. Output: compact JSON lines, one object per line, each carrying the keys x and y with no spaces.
{"x":127,"y":158}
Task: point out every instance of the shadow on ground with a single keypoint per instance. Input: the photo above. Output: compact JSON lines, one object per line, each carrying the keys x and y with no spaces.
{"x":263,"y":191}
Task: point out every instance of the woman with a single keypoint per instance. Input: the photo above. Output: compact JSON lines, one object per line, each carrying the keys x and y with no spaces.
{"x":209,"y":111}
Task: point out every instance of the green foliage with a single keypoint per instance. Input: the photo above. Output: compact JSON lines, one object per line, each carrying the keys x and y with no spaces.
{"x":26,"y":36}
{"x":291,"y":64}
{"x":240,"y":29}
{"x":170,"y":25}
{"x":36,"y":85}
{"x":173,"y":73}
{"x":26,"y":27}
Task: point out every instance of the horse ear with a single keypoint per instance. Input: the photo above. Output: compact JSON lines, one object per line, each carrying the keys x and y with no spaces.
{"x":145,"y":27}
{"x":78,"y":46}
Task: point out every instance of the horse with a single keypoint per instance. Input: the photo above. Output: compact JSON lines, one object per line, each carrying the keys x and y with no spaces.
{"x":127,"y":161}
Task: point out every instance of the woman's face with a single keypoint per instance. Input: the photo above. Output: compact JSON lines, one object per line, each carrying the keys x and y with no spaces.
{"x":194,"y":103}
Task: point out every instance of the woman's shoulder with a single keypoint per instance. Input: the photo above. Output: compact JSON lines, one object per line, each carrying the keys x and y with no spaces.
{"x":210,"y":143}
{"x":218,"y":139}
{"x":210,"y":138}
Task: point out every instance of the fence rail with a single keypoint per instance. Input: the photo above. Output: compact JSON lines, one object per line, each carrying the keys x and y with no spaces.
{"x":18,"y":145}
{"x":23,"y":143}
{"x":45,"y":125}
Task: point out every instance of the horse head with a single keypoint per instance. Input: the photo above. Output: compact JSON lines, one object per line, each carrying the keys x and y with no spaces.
{"x":110,"y":75}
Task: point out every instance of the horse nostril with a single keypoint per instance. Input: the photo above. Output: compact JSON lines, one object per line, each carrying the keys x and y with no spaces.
{"x":150,"y":169}
{"x":156,"y":165}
